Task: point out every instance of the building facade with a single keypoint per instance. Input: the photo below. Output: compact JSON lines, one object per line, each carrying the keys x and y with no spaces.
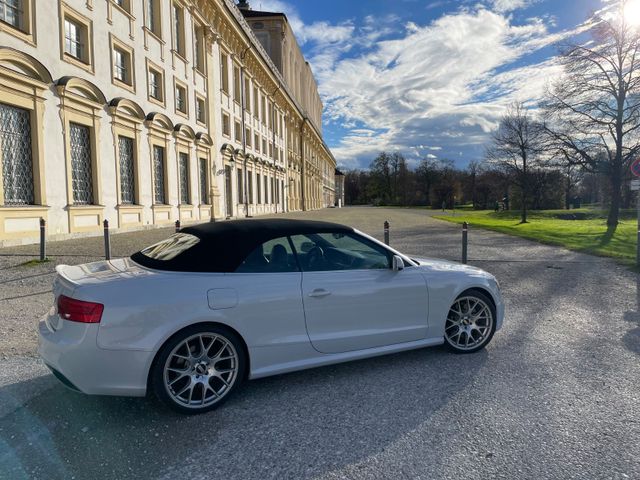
{"x":147,"y":112}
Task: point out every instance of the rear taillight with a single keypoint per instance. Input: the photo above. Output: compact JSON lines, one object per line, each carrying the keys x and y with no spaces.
{"x":79,"y":310}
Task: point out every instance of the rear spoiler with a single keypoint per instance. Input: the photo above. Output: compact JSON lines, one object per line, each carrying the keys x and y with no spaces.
{"x":63,"y":282}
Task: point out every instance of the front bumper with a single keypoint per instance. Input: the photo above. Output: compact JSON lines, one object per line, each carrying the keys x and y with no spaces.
{"x":71,"y":349}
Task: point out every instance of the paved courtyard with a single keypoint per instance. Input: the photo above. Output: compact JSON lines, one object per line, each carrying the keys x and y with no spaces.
{"x":554,"y":396}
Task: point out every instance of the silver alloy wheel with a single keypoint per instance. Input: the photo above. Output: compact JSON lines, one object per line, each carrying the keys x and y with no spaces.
{"x":469,"y":323}
{"x":201,"y":370}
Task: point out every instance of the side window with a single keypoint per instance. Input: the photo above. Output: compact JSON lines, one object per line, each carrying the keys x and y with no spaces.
{"x":339,"y":251}
{"x":274,"y":256}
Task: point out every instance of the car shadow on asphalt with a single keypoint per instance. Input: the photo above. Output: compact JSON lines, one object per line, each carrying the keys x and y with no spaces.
{"x":304,"y":423}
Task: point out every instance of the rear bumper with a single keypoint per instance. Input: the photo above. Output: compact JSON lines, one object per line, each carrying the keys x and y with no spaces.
{"x":71,"y":351}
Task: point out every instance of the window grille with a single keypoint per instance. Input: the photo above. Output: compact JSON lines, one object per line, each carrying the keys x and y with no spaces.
{"x":258,"y":189}
{"x":127,"y":181}
{"x":203,"y":181}
{"x":158,"y":174}
{"x":266,"y":190}
{"x":15,"y":150}
{"x":240,"y":180}
{"x":82,"y":179}
{"x":184,"y":178}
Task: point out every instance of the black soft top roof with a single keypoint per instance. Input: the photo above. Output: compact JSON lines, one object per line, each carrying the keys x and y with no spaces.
{"x":224,"y":245}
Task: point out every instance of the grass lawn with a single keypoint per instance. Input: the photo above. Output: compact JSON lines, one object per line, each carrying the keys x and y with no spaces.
{"x":583,"y":230}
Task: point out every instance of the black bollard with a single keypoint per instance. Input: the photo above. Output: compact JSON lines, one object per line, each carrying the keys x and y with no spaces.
{"x":465,"y":227}
{"x":43,"y":246}
{"x":386,"y":232}
{"x":107,"y":240}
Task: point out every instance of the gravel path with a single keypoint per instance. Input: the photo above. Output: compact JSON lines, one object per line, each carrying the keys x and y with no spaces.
{"x":554,"y":396}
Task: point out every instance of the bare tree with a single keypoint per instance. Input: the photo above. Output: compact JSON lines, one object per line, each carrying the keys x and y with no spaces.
{"x":593,"y":111}
{"x":516,"y":147}
{"x":474,"y":169}
{"x":427,"y":175}
{"x":562,"y":160}
{"x":572,"y":177}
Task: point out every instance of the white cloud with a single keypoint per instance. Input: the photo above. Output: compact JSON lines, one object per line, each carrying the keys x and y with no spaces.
{"x":441,"y":87}
{"x":445,"y":83}
{"x":323,"y":32}
{"x":503,"y":6}
{"x":411,"y":27}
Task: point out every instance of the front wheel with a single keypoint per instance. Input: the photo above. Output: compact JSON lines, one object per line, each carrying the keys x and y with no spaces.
{"x":470,"y":323}
{"x":197,"y":369}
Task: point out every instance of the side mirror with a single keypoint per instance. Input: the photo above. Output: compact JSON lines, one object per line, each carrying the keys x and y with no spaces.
{"x":398,"y":263}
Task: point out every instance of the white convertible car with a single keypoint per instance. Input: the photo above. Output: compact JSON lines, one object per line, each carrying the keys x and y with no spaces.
{"x":192,"y":316}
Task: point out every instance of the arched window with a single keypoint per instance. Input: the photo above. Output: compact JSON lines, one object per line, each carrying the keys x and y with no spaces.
{"x":24,"y":85}
{"x":184,"y":139}
{"x":125,"y":128}
{"x":206,"y":193}
{"x":160,"y":130}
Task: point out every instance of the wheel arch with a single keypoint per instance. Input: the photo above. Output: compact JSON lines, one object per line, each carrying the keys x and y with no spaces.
{"x":197,"y":324}
{"x":484,"y":292}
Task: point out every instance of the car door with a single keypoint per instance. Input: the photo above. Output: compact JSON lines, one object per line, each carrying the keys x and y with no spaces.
{"x":267,"y":287}
{"x":352,"y":298}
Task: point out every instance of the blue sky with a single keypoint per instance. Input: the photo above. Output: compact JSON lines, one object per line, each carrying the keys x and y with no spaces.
{"x":427,"y":78}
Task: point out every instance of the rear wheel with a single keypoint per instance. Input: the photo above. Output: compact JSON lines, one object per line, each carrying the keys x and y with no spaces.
{"x":198,"y":369}
{"x":470,"y":323}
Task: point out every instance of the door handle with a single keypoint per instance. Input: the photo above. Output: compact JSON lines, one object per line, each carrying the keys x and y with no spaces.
{"x":319,"y":293}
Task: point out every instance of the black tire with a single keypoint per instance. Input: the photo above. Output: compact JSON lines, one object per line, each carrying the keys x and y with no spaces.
{"x":490,"y":307}
{"x":159,"y":378}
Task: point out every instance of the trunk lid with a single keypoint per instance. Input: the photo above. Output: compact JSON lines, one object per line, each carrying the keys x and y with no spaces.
{"x":70,"y":277}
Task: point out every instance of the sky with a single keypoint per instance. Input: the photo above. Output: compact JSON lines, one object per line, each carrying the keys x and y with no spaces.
{"x":427,"y":78}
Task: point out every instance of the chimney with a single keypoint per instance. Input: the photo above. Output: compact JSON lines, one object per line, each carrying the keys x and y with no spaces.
{"x":244,"y":5}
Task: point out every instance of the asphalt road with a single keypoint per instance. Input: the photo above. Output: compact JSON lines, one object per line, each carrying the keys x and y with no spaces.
{"x":554,"y":396}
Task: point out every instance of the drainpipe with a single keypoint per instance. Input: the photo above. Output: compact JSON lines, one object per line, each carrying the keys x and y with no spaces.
{"x":273,"y":135}
{"x":303,"y":189}
{"x":245,"y":179}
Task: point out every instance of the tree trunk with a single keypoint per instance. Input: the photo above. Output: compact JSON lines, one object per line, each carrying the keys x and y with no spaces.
{"x":474,"y":199}
{"x":523,"y":189}
{"x":615,"y":173}
{"x":616,"y":191}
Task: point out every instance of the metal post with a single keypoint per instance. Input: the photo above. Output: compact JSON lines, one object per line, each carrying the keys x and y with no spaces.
{"x":43,"y":246}
{"x":177,"y":226}
{"x":465,"y":227}
{"x":107,"y":240}
{"x":386,"y":232}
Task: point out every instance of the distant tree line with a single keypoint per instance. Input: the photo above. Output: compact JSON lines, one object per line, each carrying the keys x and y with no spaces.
{"x":390,"y":181}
